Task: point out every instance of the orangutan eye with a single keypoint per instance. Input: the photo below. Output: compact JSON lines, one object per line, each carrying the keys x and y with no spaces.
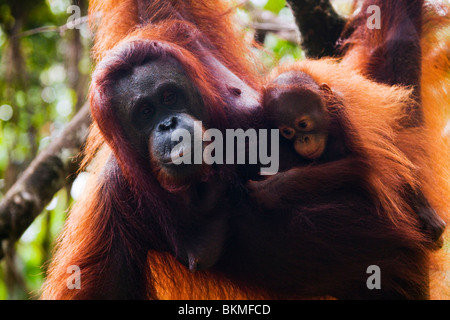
{"x":146,"y":110}
{"x":288,"y":133}
{"x":169,"y":98}
{"x":303,"y":124}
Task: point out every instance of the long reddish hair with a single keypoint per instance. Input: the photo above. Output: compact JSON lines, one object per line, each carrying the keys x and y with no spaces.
{"x":426,"y":145}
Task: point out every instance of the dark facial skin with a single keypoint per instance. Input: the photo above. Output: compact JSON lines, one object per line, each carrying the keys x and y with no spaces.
{"x":154,"y":100}
{"x":301,"y":115}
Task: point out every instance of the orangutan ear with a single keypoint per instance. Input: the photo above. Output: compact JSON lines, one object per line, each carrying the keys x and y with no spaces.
{"x":325,"y":87}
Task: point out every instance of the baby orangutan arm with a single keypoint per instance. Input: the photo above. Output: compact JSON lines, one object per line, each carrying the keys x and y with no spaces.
{"x":299,"y":183}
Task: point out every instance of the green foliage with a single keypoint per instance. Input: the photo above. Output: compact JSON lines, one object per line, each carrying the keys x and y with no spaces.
{"x":36,"y":100}
{"x":282,"y":50}
{"x":275,"y":5}
{"x":36,"y":243}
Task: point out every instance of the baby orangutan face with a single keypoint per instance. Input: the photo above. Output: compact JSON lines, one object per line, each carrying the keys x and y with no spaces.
{"x":299,"y":110}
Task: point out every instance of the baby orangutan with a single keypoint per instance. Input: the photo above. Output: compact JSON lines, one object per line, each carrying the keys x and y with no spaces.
{"x":300,"y":113}
{"x":314,"y":118}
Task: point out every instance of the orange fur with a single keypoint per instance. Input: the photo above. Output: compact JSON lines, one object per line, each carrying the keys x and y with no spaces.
{"x":435,"y":168}
{"x":115,"y":20}
{"x":426,"y":147}
{"x":374,"y":109}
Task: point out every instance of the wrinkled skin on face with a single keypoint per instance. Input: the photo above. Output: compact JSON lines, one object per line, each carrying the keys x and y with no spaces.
{"x":153,"y":101}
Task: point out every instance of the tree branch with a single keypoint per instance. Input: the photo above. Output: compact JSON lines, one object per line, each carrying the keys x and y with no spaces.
{"x":287,"y":32}
{"x":43,"y":178}
{"x":320,"y":26}
{"x":60,"y":29}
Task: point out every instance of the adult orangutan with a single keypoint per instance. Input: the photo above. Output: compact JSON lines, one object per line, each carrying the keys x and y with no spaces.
{"x":165,"y":64}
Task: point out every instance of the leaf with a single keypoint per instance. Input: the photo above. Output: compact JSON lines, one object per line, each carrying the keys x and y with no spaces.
{"x":275,"y":5}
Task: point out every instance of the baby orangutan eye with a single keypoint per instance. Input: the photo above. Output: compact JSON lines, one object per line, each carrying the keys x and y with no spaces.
{"x":304,"y":125}
{"x":286,"y":132}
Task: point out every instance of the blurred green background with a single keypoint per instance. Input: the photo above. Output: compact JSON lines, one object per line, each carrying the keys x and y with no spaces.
{"x":44,"y":79}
